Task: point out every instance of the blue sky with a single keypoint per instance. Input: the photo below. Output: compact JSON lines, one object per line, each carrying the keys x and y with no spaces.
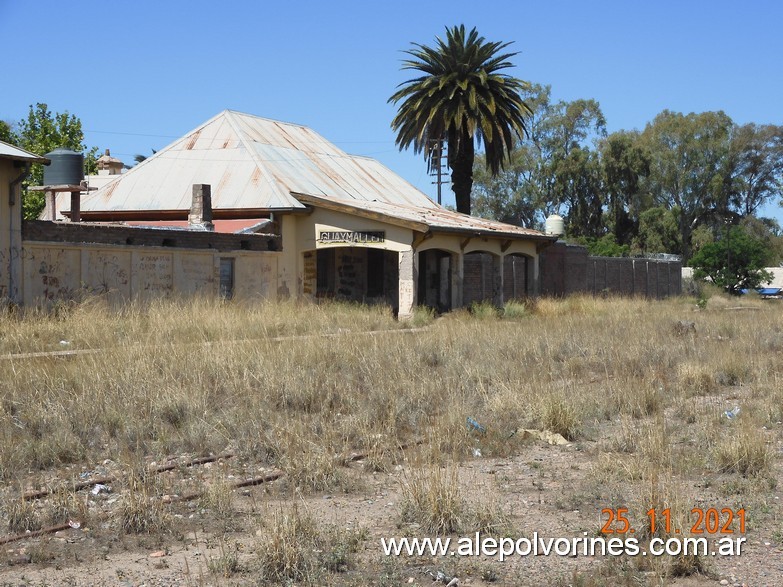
{"x":142,"y":73}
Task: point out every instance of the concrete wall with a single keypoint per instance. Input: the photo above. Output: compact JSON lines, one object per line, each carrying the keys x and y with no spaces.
{"x":567,"y":269}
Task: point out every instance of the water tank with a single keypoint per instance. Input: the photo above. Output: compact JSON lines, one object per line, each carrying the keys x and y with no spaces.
{"x":67,"y":167}
{"x":554,"y":225}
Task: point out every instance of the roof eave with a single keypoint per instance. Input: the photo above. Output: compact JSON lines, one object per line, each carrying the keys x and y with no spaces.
{"x":482,"y":232}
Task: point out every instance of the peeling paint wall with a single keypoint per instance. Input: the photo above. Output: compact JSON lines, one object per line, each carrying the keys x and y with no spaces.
{"x":10,"y":233}
{"x":54,"y":271}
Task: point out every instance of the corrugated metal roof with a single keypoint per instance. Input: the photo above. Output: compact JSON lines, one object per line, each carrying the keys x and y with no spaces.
{"x":250,"y":162}
{"x":8,"y":151}
{"x":437,"y":219}
{"x":257,"y":163}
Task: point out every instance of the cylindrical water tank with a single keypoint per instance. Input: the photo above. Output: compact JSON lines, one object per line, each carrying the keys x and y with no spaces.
{"x":67,"y":167}
{"x":554,"y":225}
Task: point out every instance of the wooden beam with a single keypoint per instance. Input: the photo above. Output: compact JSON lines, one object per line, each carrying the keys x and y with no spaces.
{"x":464,"y":243}
{"x":419,"y":238}
{"x":505,"y":245}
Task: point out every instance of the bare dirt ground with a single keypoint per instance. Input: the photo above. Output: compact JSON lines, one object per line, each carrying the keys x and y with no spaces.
{"x":547,"y":489}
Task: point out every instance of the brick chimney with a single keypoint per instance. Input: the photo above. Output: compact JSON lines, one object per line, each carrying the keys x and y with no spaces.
{"x":201,"y":207}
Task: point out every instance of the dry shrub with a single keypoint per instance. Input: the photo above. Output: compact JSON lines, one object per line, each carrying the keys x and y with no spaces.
{"x":64,"y":505}
{"x":744,"y":452}
{"x":560,"y":416}
{"x":310,"y":467}
{"x":696,"y":378}
{"x":142,"y":511}
{"x":431,"y":497}
{"x":22,"y":515}
{"x":218,"y":499}
{"x":299,"y":549}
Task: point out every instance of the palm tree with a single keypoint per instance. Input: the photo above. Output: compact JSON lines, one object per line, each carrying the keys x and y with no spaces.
{"x":461,"y":98}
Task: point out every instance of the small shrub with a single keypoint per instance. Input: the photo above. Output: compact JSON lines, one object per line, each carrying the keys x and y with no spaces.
{"x":745,"y":452}
{"x":295,"y":550}
{"x":560,"y":417}
{"x":483,"y":310}
{"x":515,"y":309}
{"x":22,"y":515}
{"x":422,"y":316}
{"x":142,"y":512}
{"x":227,"y":564}
{"x":432,"y":499}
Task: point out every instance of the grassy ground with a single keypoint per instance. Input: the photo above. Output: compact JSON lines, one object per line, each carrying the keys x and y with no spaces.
{"x":638,"y":388}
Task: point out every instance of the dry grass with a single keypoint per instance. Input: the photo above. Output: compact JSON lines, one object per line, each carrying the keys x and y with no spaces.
{"x":296,"y":548}
{"x":610,"y":374}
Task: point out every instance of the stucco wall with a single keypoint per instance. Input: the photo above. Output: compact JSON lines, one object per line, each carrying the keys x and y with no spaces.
{"x":54,"y":271}
{"x":10,"y":233}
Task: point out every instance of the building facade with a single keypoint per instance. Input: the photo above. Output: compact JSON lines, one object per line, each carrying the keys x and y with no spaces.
{"x":344,"y":227}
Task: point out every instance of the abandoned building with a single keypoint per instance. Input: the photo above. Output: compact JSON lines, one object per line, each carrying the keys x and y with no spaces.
{"x":249,"y":207}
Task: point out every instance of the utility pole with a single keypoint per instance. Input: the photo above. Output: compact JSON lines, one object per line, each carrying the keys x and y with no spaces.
{"x":436,"y":164}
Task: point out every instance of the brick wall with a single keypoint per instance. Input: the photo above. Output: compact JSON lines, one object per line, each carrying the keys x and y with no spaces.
{"x":82,"y":232}
{"x":478,"y":275}
{"x":567,"y":269}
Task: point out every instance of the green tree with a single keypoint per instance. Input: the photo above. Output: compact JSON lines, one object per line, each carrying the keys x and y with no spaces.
{"x":552,"y":170}
{"x":461,"y":98}
{"x":658,"y":231}
{"x":754,"y":167}
{"x":735,"y":262}
{"x":6,"y":134}
{"x":41,"y":132}
{"x":688,"y":156}
{"x":626,"y":163}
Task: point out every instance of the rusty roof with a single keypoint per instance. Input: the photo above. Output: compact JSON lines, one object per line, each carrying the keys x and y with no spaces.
{"x":262,"y":164}
{"x":436,"y":219}
{"x":250,"y":162}
{"x":8,"y":151}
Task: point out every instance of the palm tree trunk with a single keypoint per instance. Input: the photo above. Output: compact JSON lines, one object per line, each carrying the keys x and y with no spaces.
{"x":462,"y":171}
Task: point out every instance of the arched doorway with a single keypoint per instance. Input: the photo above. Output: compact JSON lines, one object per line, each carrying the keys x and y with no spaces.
{"x":435,"y":279}
{"x":516,"y":276}
{"x":481,"y":278}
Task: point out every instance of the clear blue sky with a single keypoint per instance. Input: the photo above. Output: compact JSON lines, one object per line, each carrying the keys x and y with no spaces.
{"x":142,"y":73}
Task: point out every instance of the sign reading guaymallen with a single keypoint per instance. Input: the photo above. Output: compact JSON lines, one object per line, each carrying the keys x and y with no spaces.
{"x":351,"y":237}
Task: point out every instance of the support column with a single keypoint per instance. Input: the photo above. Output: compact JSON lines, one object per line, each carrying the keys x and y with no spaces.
{"x":497,"y":281}
{"x":290,"y":267}
{"x":407,"y":284}
{"x":533,"y":278}
{"x":457,"y":279}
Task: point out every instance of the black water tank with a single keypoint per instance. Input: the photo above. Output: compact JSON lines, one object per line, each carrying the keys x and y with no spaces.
{"x":67,"y":167}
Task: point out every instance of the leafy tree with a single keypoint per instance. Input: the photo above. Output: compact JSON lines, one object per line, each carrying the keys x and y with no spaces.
{"x":6,"y":134}
{"x":735,"y":262}
{"x":605,"y":246}
{"x":463,"y":98}
{"x":687,"y":166}
{"x":42,"y":132}
{"x":754,"y":167}
{"x":626,"y":163}
{"x":658,"y":231}
{"x":552,"y":170}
